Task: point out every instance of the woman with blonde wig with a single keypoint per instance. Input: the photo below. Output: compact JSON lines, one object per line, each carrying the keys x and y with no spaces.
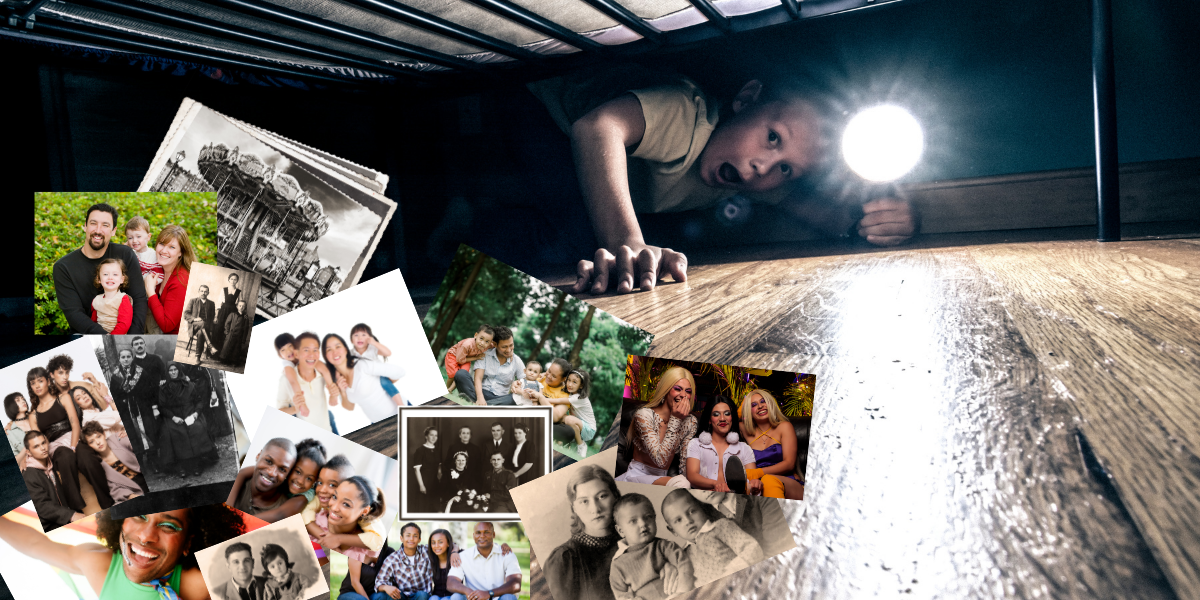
{"x":773,"y":440}
{"x":662,"y":430}
{"x":175,"y":255}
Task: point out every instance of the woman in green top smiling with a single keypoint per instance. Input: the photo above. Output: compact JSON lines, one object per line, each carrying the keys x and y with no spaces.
{"x":145,"y":557}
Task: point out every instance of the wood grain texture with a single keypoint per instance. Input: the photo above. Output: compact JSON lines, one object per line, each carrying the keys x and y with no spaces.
{"x":957,"y":391}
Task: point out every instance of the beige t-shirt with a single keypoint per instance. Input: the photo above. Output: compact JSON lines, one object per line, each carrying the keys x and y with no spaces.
{"x":314,"y":397}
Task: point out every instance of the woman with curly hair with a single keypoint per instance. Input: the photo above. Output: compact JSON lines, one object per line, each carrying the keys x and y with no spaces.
{"x":147,"y":557}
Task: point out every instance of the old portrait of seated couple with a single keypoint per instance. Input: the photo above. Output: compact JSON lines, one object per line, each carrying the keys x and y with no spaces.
{"x":147,"y":557}
{"x":356,"y":374}
{"x":437,"y":569}
{"x":220,"y":333}
{"x":105,"y":287}
{"x":66,"y":428}
{"x":663,"y":433}
{"x":341,"y":510}
{"x":486,"y":369}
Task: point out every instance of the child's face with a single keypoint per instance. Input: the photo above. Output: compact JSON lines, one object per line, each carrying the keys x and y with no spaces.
{"x":554,"y":376}
{"x":483,"y":340}
{"x":137,"y":239}
{"x":347,"y":505}
{"x":573,"y":383}
{"x":685,"y":517}
{"x":327,"y":484}
{"x":636,"y":524}
{"x":532,"y":372}
{"x":762,"y":147}
{"x":303,"y":476}
{"x":278,"y":568}
{"x":360,"y":339}
{"x":288,"y":352}
{"x":111,"y":277}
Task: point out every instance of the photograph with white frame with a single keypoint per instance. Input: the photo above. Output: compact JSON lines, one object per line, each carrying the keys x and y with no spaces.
{"x":384,"y":305}
{"x":217,"y":317}
{"x":381,"y":472}
{"x":464,"y":490}
{"x":281,"y":564}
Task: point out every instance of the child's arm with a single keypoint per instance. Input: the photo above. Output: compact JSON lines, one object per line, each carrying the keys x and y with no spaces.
{"x":382,"y":350}
{"x":330,"y":383}
{"x":741,"y":543}
{"x":686,"y":577}
{"x":620,"y":588}
{"x":313,"y":530}
{"x":291,"y":506}
{"x":293,"y":380}
{"x":883,"y":221}
{"x":600,"y":141}
{"x":242,"y":477}
{"x":124,"y":317}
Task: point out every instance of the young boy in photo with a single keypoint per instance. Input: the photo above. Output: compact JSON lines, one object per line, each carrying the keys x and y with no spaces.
{"x":716,"y":546}
{"x":644,"y":562}
{"x":45,"y":483}
{"x":461,"y":355}
{"x":137,"y":235}
{"x":645,"y":142}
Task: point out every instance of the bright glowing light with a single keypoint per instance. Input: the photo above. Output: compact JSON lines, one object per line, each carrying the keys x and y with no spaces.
{"x":882,"y":143}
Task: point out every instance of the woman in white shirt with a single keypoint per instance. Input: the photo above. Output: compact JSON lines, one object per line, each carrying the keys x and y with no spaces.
{"x":359,"y":378}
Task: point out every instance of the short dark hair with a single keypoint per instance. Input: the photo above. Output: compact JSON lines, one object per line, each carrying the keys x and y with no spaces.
{"x":281,"y":442}
{"x":108,"y":208}
{"x":632,"y":499}
{"x":312,"y":450}
{"x":207,"y":526}
{"x":411,"y":524}
{"x":10,"y":405}
{"x":236,"y":547}
{"x":488,"y":329}
{"x":29,"y":435}
{"x":500,"y":452}
{"x":533,"y":362}
{"x":92,"y":428}
{"x":272,"y":551}
{"x":59,"y":361}
{"x":284,"y":339}
{"x":339,"y":463}
{"x":502,"y":333}
{"x":495,"y":423}
{"x":307,"y":335}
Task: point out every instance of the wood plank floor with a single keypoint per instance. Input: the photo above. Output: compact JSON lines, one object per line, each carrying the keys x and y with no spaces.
{"x":993,"y":420}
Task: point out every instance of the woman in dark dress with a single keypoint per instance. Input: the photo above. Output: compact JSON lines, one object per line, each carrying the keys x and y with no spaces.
{"x":423,"y":477}
{"x":230,"y":295}
{"x":183,"y":439}
{"x":237,"y":327}
{"x":524,"y":458}
{"x":579,"y":568}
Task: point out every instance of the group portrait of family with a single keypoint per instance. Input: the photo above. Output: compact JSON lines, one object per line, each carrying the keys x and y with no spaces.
{"x":504,"y":338}
{"x":217,"y":316}
{"x":93,"y":284}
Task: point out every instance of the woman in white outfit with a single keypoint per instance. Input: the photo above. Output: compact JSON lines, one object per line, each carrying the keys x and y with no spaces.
{"x":359,"y":378}
{"x":662,"y":429}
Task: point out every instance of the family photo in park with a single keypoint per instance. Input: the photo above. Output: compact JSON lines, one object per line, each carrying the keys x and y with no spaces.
{"x":504,"y":338}
{"x":118,"y":263}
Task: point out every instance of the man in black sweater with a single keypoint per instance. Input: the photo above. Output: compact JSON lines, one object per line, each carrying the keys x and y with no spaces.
{"x":75,"y":274}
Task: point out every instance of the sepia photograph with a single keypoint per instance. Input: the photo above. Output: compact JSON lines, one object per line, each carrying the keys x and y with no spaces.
{"x":218,"y":314}
{"x":117,"y":262}
{"x":505,"y":338}
{"x":599,"y":538}
{"x":465,"y":460}
{"x":343,"y":363}
{"x":72,"y":446}
{"x":273,"y":562}
{"x":282,"y":212}
{"x":106,"y":556}
{"x":346,"y":495}
{"x":180,"y":418}
{"x":728,"y":429}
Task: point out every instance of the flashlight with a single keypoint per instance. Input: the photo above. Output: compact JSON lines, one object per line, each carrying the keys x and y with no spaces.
{"x":882,"y":143}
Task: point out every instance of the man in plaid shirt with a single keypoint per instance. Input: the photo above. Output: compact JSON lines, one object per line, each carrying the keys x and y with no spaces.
{"x":405,"y":575}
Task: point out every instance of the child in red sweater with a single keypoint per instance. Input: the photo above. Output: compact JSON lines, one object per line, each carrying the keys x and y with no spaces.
{"x":112,"y":309}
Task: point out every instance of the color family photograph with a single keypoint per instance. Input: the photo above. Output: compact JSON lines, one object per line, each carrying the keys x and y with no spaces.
{"x":117,"y":262}
{"x":715,"y":427}
{"x":504,"y":338}
{"x":343,"y":363}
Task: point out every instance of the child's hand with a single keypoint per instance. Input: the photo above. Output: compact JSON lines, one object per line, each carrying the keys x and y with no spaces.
{"x":634,"y":263}
{"x":887,"y":221}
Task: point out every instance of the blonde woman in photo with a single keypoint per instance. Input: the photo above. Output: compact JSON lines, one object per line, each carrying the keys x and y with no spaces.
{"x":662,"y":430}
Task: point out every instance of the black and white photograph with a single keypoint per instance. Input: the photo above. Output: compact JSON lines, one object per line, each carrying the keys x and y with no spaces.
{"x":218,"y":313}
{"x":180,"y":418}
{"x":72,"y":447}
{"x":343,"y":363}
{"x":346,"y":495}
{"x":463,"y":461}
{"x":596,"y":537}
{"x":274,"y":562}
{"x":283,"y":213}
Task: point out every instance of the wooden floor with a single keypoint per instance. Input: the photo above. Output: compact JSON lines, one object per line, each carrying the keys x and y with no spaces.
{"x":991,"y":420}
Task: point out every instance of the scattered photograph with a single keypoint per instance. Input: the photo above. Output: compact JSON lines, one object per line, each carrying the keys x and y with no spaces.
{"x":126,"y":556}
{"x":274,"y":562}
{"x":342,"y":363}
{"x":72,"y":446}
{"x":180,"y":418}
{"x":442,"y":558}
{"x":596,"y":537}
{"x":464,"y":460}
{"x":117,"y":262}
{"x":728,"y":429}
{"x":507,"y":339}
{"x":218,"y":312}
{"x":300,"y":221}
{"x":346,"y":495}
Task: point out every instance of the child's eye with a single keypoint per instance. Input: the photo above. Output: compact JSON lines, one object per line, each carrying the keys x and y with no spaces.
{"x":772,"y":137}
{"x":785,"y":168}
